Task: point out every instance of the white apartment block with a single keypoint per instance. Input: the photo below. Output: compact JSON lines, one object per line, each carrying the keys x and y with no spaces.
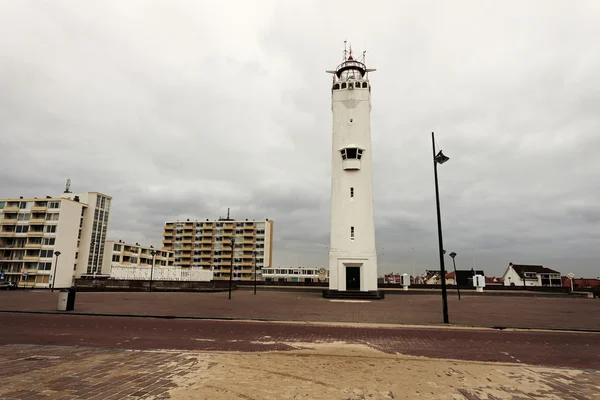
{"x":121,"y":254}
{"x":295,"y":274}
{"x":50,"y":239}
{"x":207,"y":244}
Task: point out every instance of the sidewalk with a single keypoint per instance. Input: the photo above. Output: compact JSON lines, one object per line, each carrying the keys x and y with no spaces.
{"x":519,"y":312}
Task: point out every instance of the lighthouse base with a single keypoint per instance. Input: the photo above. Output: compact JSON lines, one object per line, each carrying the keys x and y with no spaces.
{"x":354,"y":294}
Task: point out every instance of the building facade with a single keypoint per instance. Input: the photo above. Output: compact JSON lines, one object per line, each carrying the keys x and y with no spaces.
{"x":531,"y":275}
{"x":45,"y":241}
{"x":352,"y":251}
{"x":207,"y":244}
{"x":121,"y":254}
{"x":295,"y":274}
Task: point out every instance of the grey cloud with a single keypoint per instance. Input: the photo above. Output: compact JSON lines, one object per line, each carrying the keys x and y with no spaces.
{"x":185,"y":110}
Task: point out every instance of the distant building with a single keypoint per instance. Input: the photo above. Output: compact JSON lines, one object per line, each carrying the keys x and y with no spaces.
{"x":207,"y":244}
{"x":531,"y":275}
{"x":296,"y":274}
{"x":34,"y":230}
{"x":121,"y":254}
{"x":464,"y":277}
{"x":581,"y":283}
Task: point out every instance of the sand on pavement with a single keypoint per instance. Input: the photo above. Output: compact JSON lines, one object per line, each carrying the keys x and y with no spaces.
{"x":352,"y":371}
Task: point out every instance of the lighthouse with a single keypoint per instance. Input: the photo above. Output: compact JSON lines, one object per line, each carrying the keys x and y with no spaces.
{"x":352,"y":251}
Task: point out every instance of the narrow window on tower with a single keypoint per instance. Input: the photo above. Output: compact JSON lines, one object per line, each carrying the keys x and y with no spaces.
{"x":351,"y":192}
{"x":351,"y":233}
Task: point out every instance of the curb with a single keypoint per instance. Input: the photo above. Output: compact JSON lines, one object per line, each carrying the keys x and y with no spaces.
{"x":291,"y":321}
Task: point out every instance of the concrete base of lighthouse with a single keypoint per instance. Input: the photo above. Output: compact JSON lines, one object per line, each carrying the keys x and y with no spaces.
{"x":354,"y":295}
{"x":353,"y":278}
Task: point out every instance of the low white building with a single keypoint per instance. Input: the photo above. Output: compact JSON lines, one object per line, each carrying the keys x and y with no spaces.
{"x":296,"y":274}
{"x":531,"y":275}
{"x":159,"y":273}
{"x":137,"y":262}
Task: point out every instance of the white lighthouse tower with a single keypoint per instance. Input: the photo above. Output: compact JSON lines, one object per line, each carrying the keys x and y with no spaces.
{"x":352,"y":251}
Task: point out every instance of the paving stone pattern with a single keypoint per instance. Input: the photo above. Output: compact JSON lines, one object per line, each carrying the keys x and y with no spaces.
{"x":531,"y":312}
{"x":39,"y":372}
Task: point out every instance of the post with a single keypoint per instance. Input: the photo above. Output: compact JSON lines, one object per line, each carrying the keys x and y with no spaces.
{"x":231,"y":266}
{"x":255,"y":271}
{"x":440,"y":241}
{"x":456,"y":278}
{"x":56,"y":253}
{"x":152,"y":270}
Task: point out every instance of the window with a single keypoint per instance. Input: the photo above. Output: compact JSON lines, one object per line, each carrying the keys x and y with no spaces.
{"x":351,"y":192}
{"x":117,"y":247}
{"x":53,"y":217}
{"x":54,"y":204}
{"x":44,"y":266}
{"x":23,"y":217}
{"x":45,"y":253}
{"x":365,"y":85}
{"x":116,"y":258}
{"x":50,"y":228}
{"x":351,"y":153}
{"x":22,"y":229}
{"x":343,"y":86}
{"x":351,"y":233}
{"x":336,"y":86}
{"x":2,"y":204}
{"x":48,"y":241}
{"x":24,"y":205}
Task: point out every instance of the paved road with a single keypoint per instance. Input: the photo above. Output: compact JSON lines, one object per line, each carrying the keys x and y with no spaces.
{"x":561,"y":349}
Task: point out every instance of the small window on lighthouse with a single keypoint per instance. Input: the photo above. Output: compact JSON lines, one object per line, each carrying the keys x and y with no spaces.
{"x":351,"y":233}
{"x":365,"y":85}
{"x":336,"y":86}
{"x":351,"y":192}
{"x":351,"y":152}
{"x":343,"y":85}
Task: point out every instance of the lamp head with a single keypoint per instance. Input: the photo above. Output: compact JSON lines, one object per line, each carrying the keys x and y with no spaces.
{"x":57,"y":253}
{"x":440,"y":158}
{"x":453,"y":254}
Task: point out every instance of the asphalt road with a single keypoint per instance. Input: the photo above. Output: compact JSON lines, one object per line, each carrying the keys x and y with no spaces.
{"x":560,"y":349}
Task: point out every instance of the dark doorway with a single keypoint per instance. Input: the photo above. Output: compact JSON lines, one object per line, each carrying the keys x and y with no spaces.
{"x":352,"y":278}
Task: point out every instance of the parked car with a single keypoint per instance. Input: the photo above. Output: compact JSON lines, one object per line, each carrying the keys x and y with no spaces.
{"x":7,"y":286}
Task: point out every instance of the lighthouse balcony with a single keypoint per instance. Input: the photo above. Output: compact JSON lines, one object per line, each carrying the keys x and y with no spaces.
{"x":351,"y":157}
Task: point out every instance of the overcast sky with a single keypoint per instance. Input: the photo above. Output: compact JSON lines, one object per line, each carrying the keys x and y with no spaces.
{"x":180,"y":109}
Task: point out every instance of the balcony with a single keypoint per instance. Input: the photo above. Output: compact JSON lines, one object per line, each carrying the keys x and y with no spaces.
{"x":36,"y":233}
{"x":37,"y":221}
{"x":31,"y":258}
{"x":39,"y":208}
{"x":11,"y":209}
{"x":8,"y":221}
{"x":186,"y":241}
{"x":33,"y":245}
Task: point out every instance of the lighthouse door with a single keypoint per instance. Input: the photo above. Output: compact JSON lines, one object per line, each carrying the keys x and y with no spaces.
{"x":352,"y":278}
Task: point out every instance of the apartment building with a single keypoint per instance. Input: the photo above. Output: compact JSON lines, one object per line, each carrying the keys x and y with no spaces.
{"x":46,"y":240}
{"x":121,"y":254}
{"x":207,"y":244}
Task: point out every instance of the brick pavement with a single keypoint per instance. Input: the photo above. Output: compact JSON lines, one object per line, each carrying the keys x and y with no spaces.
{"x":39,"y":372}
{"x":564,"y":313}
{"x":555,"y":349}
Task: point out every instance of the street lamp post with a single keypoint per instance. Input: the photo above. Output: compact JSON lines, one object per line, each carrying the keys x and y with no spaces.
{"x":231,"y":266}
{"x":255,"y":253}
{"x":153,"y":254}
{"x":453,"y":254}
{"x":56,"y":253}
{"x":440,"y":158}
{"x":571,"y":275}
